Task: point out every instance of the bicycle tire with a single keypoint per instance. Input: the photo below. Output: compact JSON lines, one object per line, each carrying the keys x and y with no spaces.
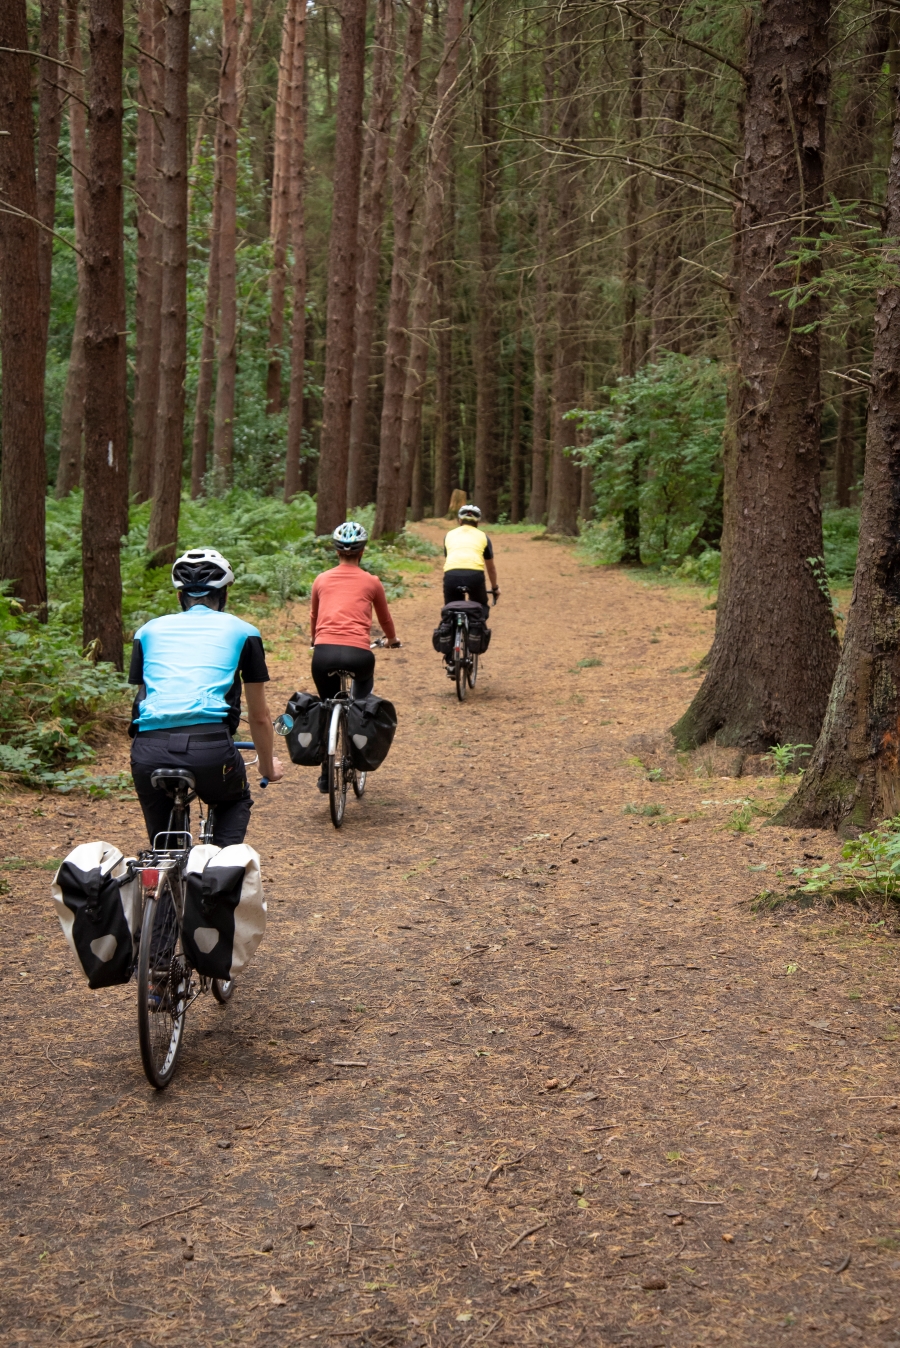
{"x":472,"y":671}
{"x":359,"y":783}
{"x":162,"y":975}
{"x":459,"y":664}
{"x":223,"y":990}
{"x":337,"y":776}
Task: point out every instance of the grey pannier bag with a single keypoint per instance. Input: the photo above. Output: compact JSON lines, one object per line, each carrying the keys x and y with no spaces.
{"x":224,"y":909}
{"x":98,"y":903}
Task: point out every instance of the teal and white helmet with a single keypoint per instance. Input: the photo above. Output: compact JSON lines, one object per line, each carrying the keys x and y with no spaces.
{"x":350,"y":537}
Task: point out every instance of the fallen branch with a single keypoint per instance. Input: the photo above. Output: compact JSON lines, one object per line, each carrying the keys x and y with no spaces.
{"x":177,"y":1213}
{"x":524,"y":1236}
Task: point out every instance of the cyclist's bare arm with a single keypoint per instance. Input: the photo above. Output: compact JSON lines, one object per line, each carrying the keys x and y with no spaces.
{"x":261,"y":731}
{"x":492,"y":575}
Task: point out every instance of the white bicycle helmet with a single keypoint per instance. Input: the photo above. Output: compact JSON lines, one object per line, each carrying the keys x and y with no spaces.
{"x":201,"y":570}
{"x":350,"y":537}
{"x":468,"y":514}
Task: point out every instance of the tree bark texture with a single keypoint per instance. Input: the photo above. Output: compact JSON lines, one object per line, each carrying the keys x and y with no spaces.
{"x":297,"y":170}
{"x":226,"y":353}
{"x":853,"y":778}
{"x":206,"y":364}
{"x":50,"y":103}
{"x":437,"y":175}
{"x":371,"y":224}
{"x":565,"y":486}
{"x":443,"y":333}
{"x":753,"y":696}
{"x":331,"y":497}
{"x":162,"y":536}
{"x":515,"y":439}
{"x":665,"y":268}
{"x":22,"y":348}
{"x":105,"y":460}
{"x":280,"y":214}
{"x":537,"y":505}
{"x":487,"y":354}
{"x":396,"y":353}
{"x":151,"y":64}
{"x":68,"y":473}
{"x":631,"y":354}
{"x":851,"y":180}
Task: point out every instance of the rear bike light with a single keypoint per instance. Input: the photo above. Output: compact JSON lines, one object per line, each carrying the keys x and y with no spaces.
{"x":149,"y":878}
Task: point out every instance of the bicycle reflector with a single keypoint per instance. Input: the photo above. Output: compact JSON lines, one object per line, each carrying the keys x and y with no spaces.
{"x":283,"y":724}
{"x":149,"y":878}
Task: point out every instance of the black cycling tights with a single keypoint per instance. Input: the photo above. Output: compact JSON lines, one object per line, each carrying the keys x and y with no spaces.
{"x":359,"y":662}
{"x":457,"y":582}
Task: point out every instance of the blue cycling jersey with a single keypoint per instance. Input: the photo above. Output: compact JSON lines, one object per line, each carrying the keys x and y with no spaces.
{"x":190,"y":665}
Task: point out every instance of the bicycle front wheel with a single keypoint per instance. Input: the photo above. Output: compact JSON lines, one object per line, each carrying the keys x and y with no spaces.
{"x":223,"y":990}
{"x":162,"y":988}
{"x":337,"y":775}
{"x":359,"y":783}
{"x":459,"y":665}
{"x":472,"y":671}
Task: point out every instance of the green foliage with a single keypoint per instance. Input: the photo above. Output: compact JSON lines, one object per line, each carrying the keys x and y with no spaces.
{"x":869,"y":866}
{"x":749,"y":809}
{"x":657,"y":445}
{"x":650,"y":810}
{"x":844,"y":264}
{"x":783,"y":756}
{"x":51,"y":699}
{"x":270,"y":543}
{"x":840,"y":534}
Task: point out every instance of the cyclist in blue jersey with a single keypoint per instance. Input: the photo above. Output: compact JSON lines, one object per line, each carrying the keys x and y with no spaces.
{"x":189,"y":668}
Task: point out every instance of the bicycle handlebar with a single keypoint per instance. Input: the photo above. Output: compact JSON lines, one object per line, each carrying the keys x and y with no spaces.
{"x":248,"y":744}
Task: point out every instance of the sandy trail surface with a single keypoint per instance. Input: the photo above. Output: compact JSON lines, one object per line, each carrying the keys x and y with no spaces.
{"x":512,"y":1065}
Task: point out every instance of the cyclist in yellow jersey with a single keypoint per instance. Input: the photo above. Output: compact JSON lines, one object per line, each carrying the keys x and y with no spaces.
{"x":468,"y":554}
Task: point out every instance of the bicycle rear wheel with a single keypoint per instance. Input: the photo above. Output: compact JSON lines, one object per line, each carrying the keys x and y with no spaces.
{"x":162,"y":988}
{"x":459,"y":664}
{"x":337,"y":776}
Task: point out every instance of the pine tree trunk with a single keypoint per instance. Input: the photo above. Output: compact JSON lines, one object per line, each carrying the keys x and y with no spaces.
{"x":162,"y":536}
{"x":631,"y":355}
{"x":515,"y":439}
{"x":331,"y":496}
{"x":437,"y":175}
{"x":562,"y":513}
{"x":537,"y":505}
{"x":22,"y":347}
{"x":49,"y":118}
{"x":206,"y":364}
{"x":665,"y":320}
{"x":487,"y":356}
{"x":296,"y":168}
{"x":68,"y":474}
{"x":371,"y":224}
{"x":397,"y":342}
{"x":148,"y":296}
{"x":226,"y":353}
{"x":775,"y":651}
{"x":853,"y":778}
{"x":443,"y":438}
{"x":280,"y":214}
{"x":105,"y":459}
{"x":852,"y":181}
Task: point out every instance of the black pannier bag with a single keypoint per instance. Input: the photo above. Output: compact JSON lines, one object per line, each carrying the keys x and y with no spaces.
{"x":371,"y":723}
{"x":442,"y":637}
{"x":98,"y":903}
{"x":306,"y":739}
{"x":479,"y":632}
{"x":224,"y":909}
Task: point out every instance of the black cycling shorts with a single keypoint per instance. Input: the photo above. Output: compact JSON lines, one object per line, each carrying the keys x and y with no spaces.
{"x":457,"y":582}
{"x":218,"y":769}
{"x":358,"y":661}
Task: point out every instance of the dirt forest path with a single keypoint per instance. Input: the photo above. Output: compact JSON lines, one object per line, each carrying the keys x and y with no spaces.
{"x":512,"y":1066}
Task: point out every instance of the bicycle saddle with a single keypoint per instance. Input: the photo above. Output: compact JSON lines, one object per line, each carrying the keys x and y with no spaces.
{"x":170,"y":779}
